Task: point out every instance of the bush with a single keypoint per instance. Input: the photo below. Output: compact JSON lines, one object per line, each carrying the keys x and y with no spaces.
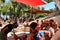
{"x":41,"y":15}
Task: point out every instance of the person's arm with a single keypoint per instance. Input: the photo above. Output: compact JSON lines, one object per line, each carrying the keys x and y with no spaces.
{"x":56,"y":36}
{"x":5,"y":29}
{"x":4,"y":32}
{"x":29,"y":37}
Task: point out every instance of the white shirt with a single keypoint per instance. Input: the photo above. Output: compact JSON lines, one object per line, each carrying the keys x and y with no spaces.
{"x":52,"y":31}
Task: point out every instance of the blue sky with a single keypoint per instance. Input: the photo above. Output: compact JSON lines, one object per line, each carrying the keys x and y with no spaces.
{"x":47,"y":6}
{"x":7,"y":0}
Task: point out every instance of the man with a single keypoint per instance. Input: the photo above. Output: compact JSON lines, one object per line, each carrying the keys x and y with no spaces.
{"x":33,"y":33}
{"x":8,"y":28}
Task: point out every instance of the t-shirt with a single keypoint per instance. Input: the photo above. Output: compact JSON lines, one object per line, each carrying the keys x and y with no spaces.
{"x":32,"y":36}
{"x":40,"y":34}
{"x":51,"y":31}
{"x":0,"y":24}
{"x":2,"y":36}
{"x":38,"y":28}
{"x":9,"y":26}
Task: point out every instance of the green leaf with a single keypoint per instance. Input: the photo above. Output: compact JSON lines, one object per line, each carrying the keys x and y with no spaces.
{"x":48,"y":1}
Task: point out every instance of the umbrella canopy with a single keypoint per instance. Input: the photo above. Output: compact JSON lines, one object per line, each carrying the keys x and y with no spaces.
{"x":33,"y":10}
{"x":31,"y":2}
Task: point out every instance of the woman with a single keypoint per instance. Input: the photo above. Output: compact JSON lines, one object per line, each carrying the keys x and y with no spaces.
{"x":8,"y":28}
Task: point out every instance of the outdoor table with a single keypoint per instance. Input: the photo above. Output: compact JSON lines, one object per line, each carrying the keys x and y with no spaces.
{"x":19,"y":35}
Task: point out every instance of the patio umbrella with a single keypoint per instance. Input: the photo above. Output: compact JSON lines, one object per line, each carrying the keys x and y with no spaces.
{"x":31,"y":2}
{"x":35,"y":11}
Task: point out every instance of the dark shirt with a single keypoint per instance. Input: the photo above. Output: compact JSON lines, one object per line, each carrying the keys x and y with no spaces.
{"x":2,"y":36}
{"x":9,"y":28}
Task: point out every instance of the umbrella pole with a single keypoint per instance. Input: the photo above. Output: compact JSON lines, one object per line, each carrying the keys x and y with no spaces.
{"x":31,"y":12}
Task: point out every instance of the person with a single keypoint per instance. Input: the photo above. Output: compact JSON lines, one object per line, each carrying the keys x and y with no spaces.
{"x":4,"y":18}
{"x":8,"y":28}
{"x":37,"y":21}
{"x":38,"y":25}
{"x":26,"y":25}
{"x":47,"y":27}
{"x":40,"y":35}
{"x":51,"y":21}
{"x":50,"y":28}
{"x":0,"y":23}
{"x":21,"y":19}
{"x":44,"y":24}
{"x":55,"y":26}
{"x":32,"y":18}
{"x":33,"y":33}
{"x":56,"y":36}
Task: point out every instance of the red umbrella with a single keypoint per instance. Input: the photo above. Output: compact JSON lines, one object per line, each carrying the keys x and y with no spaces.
{"x":31,"y":2}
